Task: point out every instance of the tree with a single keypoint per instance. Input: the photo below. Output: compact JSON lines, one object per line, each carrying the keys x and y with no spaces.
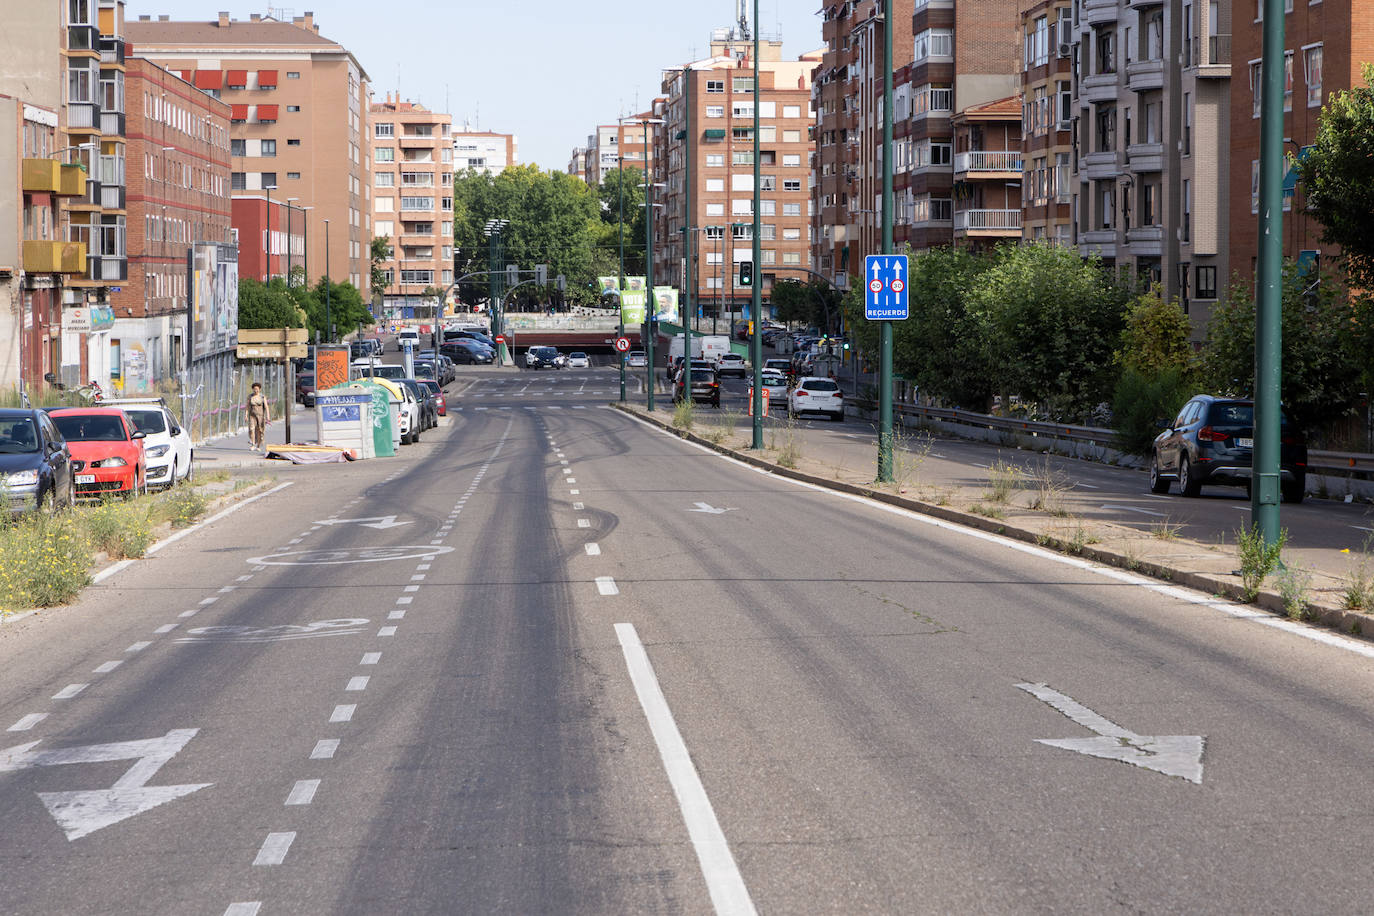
{"x":1050,"y":321}
{"x":1321,"y":366}
{"x":633,"y":210}
{"x":941,"y":347}
{"x":811,"y":303}
{"x":1156,"y":335}
{"x":381,"y":253}
{"x":267,"y":305}
{"x":346,"y":308}
{"x":1338,"y":176}
{"x":1157,"y":369}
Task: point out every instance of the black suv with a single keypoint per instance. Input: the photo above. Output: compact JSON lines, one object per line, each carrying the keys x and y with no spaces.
{"x":1212,"y":440}
{"x":705,"y":386}
{"x":541,"y":358}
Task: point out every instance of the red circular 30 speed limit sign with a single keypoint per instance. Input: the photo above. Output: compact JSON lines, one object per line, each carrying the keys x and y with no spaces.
{"x":622,"y":344}
{"x":898,"y":285}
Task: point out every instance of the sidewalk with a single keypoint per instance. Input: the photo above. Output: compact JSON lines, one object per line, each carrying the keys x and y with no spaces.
{"x":1041,"y":510}
{"x":232,"y":451}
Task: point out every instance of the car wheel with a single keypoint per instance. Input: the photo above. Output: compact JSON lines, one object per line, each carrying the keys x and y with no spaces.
{"x":52,"y":499}
{"x":838,"y":417}
{"x":1293,"y":492}
{"x":172,"y":475}
{"x":1187,"y":484}
{"x":1158,"y":482}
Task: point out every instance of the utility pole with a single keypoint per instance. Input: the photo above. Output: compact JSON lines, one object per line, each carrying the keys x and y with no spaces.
{"x":885,"y":327}
{"x":688,"y":281}
{"x":1264,"y":489}
{"x":650,"y":299}
{"x":756,"y":341}
{"x":620,"y":277}
{"x":328,"y":288}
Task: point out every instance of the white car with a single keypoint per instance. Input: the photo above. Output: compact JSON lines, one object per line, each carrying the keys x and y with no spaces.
{"x":166,"y":443}
{"x":733,"y":364}
{"x":816,"y":395}
{"x":410,"y":416}
{"x":775,"y":386}
{"x":578,"y":360}
{"x":636,"y":360}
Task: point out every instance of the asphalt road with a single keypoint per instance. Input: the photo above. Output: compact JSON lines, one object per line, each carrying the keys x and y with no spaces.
{"x":837,"y":707}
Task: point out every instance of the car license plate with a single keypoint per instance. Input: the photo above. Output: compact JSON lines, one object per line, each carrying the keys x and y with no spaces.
{"x":85,"y":478}
{"x":1245,"y":443}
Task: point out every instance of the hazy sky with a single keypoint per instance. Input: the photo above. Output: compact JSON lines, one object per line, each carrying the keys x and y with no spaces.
{"x":546,"y":71}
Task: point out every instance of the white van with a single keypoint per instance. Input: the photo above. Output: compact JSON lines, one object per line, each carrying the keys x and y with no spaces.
{"x":408,"y":337}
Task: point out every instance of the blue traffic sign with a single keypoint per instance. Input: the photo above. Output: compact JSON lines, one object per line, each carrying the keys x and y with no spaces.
{"x":885,"y":292}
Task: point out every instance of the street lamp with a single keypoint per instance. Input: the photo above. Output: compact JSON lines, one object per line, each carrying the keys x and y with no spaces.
{"x":328,"y":320}
{"x":269,"y":189}
{"x":290,"y":246}
{"x":651,"y":301}
{"x":493,"y":229}
{"x":756,"y":343}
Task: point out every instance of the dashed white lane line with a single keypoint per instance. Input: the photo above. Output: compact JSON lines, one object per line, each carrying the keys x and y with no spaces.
{"x":419,"y":578}
{"x":107,"y":667}
{"x":227,"y":589}
{"x":211,"y":600}
{"x":723,"y":879}
{"x":411,"y":588}
{"x":423,"y":566}
{"x":570,"y":480}
{"x":606,"y":585}
{"x":324,"y":749}
{"x":28,"y":722}
{"x":138,"y":646}
{"x":387,"y":631}
{"x":574,"y":492}
{"x":191,"y":613}
{"x":165,"y":628}
{"x":303,"y":792}
{"x":343,"y":712}
{"x":357,"y":683}
{"x":244,"y":578}
{"x":274,"y":848}
{"x":71,"y":690}
{"x":578,"y":506}
{"x":405,"y":599}
{"x":249,"y":908}
{"x":593,"y":549}
{"x":584,"y":523}
{"x":371,"y":658}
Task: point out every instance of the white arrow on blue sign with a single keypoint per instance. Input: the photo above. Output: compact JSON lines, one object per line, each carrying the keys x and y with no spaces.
{"x":885,"y":293}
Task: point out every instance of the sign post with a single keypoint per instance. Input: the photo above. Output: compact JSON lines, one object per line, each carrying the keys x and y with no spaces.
{"x":885,"y":300}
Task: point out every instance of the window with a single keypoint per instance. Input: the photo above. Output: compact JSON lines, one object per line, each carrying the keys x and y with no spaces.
{"x":791,"y":235}
{"x":1256,"y":84}
{"x":296,"y":142}
{"x":715,"y":209}
{"x":1105,"y":43}
{"x":791,"y":111}
{"x":742,"y":110}
{"x":385,"y":155}
{"x":791,"y":184}
{"x":238,"y":147}
{"x":417,"y":203}
{"x":269,"y":179}
{"x":715,"y":232}
{"x":1154,"y":35}
{"x":715,"y":111}
{"x":1287,"y":80}
{"x":293,"y":108}
{"x":269,"y":148}
{"x":1149,"y":125}
{"x":1063,"y":188}
{"x":1186,"y":205}
{"x":293,"y":176}
{"x":787,"y":209}
{"x":293,"y":74}
{"x":380,"y":130}
{"x":742,"y":157}
{"x":1106,"y":197}
{"x":1187,"y":123}
{"x":791,"y":136}
{"x":933,"y":43}
{"x":741,"y":232}
{"x":1106,"y":129}
{"x":742,"y":207}
{"x":1206,"y":284}
{"x":715,"y":160}
{"x":715,"y":184}
{"x":791,"y":160}
{"x":384,"y":179}
{"x":742,"y":133}
{"x":715,"y":85}
{"x":1254,"y":185}
{"x":1149,"y":204}
{"x":1065,"y":110}
{"x":741,"y":84}
{"x":768,"y":182}
{"x":1312,"y":73}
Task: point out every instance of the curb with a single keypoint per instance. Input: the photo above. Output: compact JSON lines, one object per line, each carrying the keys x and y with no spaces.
{"x":1348,"y":623}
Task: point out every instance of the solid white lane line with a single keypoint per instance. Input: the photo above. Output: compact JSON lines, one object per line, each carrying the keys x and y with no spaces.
{"x":593,"y":550}
{"x":71,"y":690}
{"x":584,"y":523}
{"x":324,"y":749}
{"x":249,"y":908}
{"x":274,"y":848}
{"x":396,"y":615}
{"x":387,"y":631}
{"x":1133,"y":509}
{"x":165,"y":628}
{"x":28,"y":722}
{"x":371,"y":658}
{"x":358,"y":683}
{"x":343,"y":712}
{"x":606,"y":585}
{"x":138,"y":646}
{"x":723,"y":879}
{"x":1086,"y":485}
{"x":107,"y":667}
{"x":303,"y":792}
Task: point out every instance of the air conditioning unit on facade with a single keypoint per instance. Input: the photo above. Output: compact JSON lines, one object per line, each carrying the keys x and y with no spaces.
{"x":1064,"y":49}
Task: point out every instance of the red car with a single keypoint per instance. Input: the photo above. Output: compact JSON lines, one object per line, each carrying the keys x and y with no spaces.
{"x":107,"y":450}
{"x":433,"y":386}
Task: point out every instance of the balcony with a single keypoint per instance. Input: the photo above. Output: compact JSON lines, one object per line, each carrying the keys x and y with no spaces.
{"x":53,"y":177}
{"x":54,"y":257}
{"x":112,"y":123}
{"x":1099,"y":12}
{"x":1143,"y":4}
{"x":112,"y":197}
{"x":989,"y":164}
{"x":1216,"y":63}
{"x":1098,"y":166}
{"x":1098,"y":87}
{"x":83,"y":38}
{"x":420,"y":142}
{"x":83,"y":117}
{"x":988,"y":223}
{"x":112,"y":50}
{"x":1145,"y":75}
{"x":1101,"y":242}
{"x":1146,"y":241}
{"x":1145,"y":157}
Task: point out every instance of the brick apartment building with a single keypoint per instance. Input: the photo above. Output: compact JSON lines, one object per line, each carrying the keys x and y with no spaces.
{"x":610,"y":143}
{"x":484,"y":150}
{"x":1047,"y":115}
{"x":577,"y":163}
{"x":710,"y":102}
{"x":987,"y":173}
{"x":412,"y":200}
{"x":1326,"y":42}
{"x":298,"y":125}
{"x":178,"y":194}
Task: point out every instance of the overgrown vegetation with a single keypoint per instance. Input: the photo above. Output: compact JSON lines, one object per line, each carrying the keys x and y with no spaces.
{"x":1257,"y":558}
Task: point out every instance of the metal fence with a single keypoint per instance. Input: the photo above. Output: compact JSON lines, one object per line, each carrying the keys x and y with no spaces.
{"x":215,"y":390}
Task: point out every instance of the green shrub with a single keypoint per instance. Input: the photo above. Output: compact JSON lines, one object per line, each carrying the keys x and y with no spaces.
{"x":120,"y":528}
{"x":1145,"y":398}
{"x":44,"y":561}
{"x":183,"y":505}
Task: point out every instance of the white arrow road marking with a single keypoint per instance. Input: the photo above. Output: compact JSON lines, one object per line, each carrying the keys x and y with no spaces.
{"x":380,"y":522}
{"x":711,"y":510}
{"x":1172,"y":755}
{"x":1133,"y":509}
{"x":79,"y":813}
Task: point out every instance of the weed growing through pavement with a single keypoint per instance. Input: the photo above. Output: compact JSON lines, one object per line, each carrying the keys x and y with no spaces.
{"x":183,"y":506}
{"x":909,"y":452}
{"x":1293,"y":582}
{"x":987,"y":511}
{"x":783,"y":439}
{"x":1167,"y":530}
{"x":1358,"y":593}
{"x":120,"y":528}
{"x":683,"y":414}
{"x":1002,"y":479}
{"x":1049,"y":484}
{"x":44,"y":561}
{"x":1257,"y":559}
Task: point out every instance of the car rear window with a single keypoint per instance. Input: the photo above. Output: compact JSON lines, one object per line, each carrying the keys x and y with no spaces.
{"x":90,"y":429}
{"x":148,"y":421}
{"x":1223,"y":413}
{"x":821,"y":384}
{"x":703,"y":375}
{"x":578,"y":354}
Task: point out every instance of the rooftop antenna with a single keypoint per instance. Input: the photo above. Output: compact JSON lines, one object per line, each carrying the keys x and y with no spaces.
{"x":743,"y":19}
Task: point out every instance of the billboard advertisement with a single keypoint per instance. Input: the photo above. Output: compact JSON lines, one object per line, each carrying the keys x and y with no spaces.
{"x":213,"y":284}
{"x":665,"y":298}
{"x":632,"y":299}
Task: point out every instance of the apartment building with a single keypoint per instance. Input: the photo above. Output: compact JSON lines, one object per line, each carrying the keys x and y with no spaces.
{"x":484,"y":151}
{"x":1153,"y":136}
{"x":987,"y":174}
{"x":708,"y":135}
{"x":412,"y":200}
{"x":611,"y":142}
{"x":298,"y":121}
{"x":1047,"y":114}
{"x":948,"y":60}
{"x":577,"y":163}
{"x":1325,"y":43}
{"x":178,"y":193}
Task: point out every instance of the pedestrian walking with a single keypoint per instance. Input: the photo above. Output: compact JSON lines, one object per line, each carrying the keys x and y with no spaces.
{"x":258,"y":417}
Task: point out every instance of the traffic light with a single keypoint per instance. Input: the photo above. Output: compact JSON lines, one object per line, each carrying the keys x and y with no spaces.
{"x":746,"y":273}
{"x":541,"y":274}
{"x":512,"y":275}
